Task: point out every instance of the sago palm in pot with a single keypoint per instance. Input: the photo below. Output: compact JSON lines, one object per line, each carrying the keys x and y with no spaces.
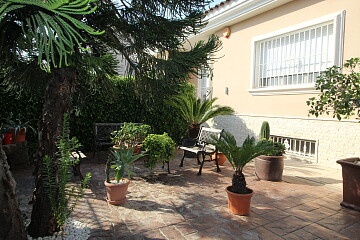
{"x":238,"y":158}
{"x":196,"y":111}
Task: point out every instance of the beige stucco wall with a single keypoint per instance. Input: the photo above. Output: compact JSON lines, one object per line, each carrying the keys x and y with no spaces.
{"x":287,"y":114}
{"x":233,"y":70}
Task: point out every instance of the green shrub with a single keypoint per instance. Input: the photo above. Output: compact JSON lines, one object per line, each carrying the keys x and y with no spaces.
{"x":118,"y":101}
{"x":159,"y":147}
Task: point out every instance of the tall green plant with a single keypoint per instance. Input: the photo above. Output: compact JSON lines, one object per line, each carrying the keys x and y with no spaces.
{"x":62,"y":198}
{"x":196,"y":111}
{"x":265,"y":131}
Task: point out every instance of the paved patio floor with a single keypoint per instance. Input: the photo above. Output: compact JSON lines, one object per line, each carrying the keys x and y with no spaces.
{"x":182,"y":205}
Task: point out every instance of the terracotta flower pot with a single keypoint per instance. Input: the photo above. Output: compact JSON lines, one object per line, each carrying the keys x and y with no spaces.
{"x":116,"y":192}
{"x":239,"y":204}
{"x":20,"y":135}
{"x":351,"y":182}
{"x":221,"y":158}
{"x":269,"y":168}
{"x":8,"y":138}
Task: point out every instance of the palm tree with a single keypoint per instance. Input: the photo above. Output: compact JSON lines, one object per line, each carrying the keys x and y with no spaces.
{"x":196,"y":111}
{"x":240,"y":156}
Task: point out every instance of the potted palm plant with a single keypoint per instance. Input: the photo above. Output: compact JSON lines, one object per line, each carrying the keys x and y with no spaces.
{"x":270,"y":167}
{"x":196,"y":111}
{"x":239,"y":195}
{"x":121,"y":161}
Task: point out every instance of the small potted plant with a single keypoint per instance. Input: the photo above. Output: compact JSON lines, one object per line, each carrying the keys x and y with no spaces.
{"x":159,"y":147}
{"x":130,"y":135}
{"x":120,"y":161}
{"x":17,"y":128}
{"x":239,"y":195}
{"x":270,"y":166}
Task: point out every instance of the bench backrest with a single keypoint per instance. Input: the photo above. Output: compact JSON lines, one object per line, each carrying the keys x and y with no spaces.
{"x":205,"y":134}
{"x":102,"y":130}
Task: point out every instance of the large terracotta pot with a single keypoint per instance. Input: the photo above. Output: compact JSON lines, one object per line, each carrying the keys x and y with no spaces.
{"x":351,"y":182}
{"x":269,"y":168}
{"x":116,"y":192}
{"x":239,"y":204}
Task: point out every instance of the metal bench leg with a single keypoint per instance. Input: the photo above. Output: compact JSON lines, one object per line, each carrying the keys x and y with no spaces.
{"x":217,"y":164}
{"x":182,"y":160}
{"x":202,"y":164}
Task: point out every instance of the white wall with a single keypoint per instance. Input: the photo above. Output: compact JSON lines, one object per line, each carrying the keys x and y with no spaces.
{"x":336,"y":140}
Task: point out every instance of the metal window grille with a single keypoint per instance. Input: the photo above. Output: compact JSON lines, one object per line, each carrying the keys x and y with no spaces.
{"x":204,"y":90}
{"x":297,"y":146}
{"x":296,"y":58}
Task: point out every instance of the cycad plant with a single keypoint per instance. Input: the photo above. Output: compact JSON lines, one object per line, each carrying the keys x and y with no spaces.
{"x":240,"y":156}
{"x":196,"y":111}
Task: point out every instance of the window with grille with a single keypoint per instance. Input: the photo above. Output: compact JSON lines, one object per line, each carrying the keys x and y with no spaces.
{"x":295,"y":58}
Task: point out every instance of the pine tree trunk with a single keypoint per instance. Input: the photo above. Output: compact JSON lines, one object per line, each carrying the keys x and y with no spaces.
{"x":57,"y":101}
{"x":11,"y":225}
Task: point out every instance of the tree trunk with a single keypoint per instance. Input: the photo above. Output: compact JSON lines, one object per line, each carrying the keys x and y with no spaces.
{"x":57,"y":101}
{"x":11,"y":225}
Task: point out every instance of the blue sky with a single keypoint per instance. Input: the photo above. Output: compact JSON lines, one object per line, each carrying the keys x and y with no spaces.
{"x":216,"y":2}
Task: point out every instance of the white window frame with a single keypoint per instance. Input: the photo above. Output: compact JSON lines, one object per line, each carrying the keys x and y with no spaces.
{"x":337,"y":19}
{"x":204,"y":85}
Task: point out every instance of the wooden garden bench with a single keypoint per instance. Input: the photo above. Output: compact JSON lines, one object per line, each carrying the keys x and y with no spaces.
{"x":200,"y":148}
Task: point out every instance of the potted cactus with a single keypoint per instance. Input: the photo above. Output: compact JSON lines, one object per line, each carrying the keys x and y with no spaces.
{"x":270,"y":167}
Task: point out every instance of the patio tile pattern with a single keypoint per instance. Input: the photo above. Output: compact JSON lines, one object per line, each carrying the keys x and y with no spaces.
{"x":182,"y":205}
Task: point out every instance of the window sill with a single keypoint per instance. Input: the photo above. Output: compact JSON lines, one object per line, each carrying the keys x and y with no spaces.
{"x":282,"y":91}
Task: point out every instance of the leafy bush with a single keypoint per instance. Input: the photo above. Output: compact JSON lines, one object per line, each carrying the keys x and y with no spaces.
{"x":340,"y":91}
{"x":159,"y":148}
{"x":119,"y":101}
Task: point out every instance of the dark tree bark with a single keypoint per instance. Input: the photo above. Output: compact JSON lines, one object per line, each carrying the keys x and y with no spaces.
{"x":57,"y":101}
{"x":11,"y":225}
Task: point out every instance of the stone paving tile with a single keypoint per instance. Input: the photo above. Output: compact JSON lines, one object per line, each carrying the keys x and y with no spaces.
{"x":185,"y":228}
{"x":286,"y":225}
{"x":261,"y":208}
{"x":340,"y":221}
{"x":301,"y":234}
{"x":275,"y":215}
{"x":171,"y":232}
{"x":214,"y":233}
{"x":324,"y":233}
{"x":352,"y":232}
